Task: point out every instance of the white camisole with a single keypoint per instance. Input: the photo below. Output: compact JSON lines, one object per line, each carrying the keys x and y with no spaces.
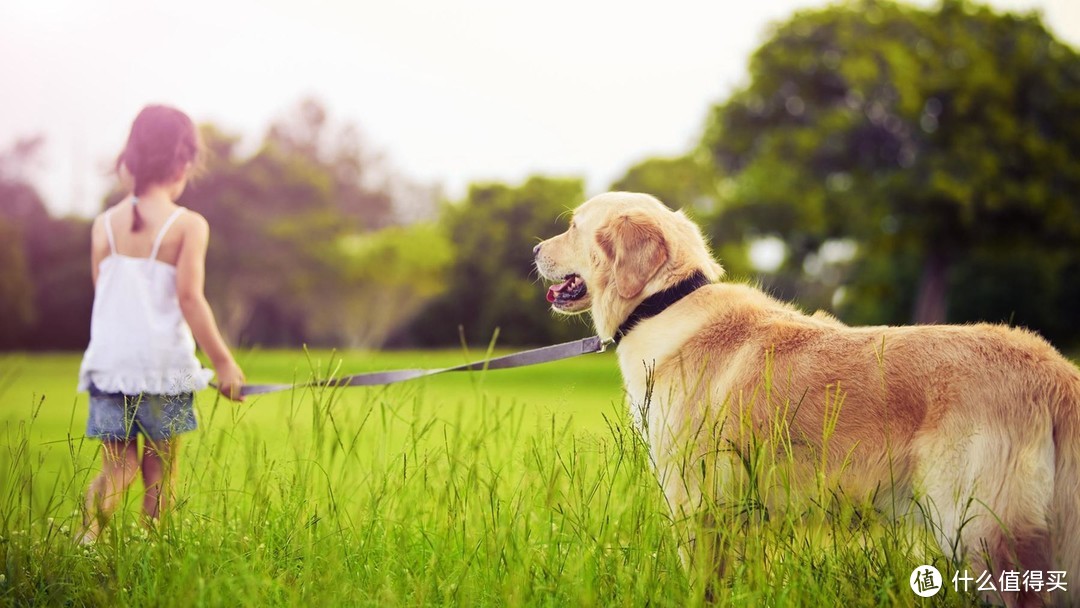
{"x":139,"y":340}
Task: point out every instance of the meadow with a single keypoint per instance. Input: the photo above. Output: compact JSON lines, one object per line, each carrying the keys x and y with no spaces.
{"x":510,"y":488}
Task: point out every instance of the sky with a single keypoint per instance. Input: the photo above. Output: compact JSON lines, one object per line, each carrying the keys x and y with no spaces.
{"x":448,"y":92}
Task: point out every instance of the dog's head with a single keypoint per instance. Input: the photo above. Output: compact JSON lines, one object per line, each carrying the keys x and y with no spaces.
{"x":620,"y":249}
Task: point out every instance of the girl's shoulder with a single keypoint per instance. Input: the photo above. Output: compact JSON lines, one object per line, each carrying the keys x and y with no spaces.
{"x":192,"y":227}
{"x":114,"y":209}
{"x":192,"y":220}
{"x":100,"y":218}
{"x":97,"y":227}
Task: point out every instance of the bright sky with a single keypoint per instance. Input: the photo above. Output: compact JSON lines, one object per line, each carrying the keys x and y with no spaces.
{"x":451,"y":92}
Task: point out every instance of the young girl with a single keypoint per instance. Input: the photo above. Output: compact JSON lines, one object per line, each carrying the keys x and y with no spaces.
{"x":148,"y":261}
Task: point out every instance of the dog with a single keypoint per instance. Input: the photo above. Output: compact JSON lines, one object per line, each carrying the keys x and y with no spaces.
{"x":975,"y":428}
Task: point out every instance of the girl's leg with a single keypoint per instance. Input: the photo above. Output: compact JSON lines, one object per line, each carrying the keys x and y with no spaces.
{"x":120,"y":465}
{"x":159,"y":463}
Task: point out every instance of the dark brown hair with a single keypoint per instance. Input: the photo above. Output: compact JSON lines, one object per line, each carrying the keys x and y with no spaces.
{"x":163,"y":140}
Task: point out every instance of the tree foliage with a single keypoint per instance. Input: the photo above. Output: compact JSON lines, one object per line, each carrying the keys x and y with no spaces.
{"x":44,"y":263}
{"x":359,"y":183}
{"x":939,"y":145}
{"x":928,"y":136}
{"x":686,"y":181}
{"x":492,"y":283}
{"x":303,"y":249}
{"x":16,"y":288}
{"x":292,"y":228}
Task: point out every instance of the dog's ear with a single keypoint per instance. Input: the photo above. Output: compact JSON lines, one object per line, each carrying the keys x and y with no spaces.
{"x":636,"y":246}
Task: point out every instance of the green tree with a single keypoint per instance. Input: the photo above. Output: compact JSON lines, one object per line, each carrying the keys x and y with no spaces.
{"x":364,"y":188}
{"x":290,"y":262}
{"x":386,"y":278}
{"x":270,"y":216}
{"x":687,"y":181}
{"x":925,"y":135}
{"x":306,"y":246}
{"x":492,"y":283}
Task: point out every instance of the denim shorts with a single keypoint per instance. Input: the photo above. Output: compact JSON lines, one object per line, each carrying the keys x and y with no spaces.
{"x":120,"y":417}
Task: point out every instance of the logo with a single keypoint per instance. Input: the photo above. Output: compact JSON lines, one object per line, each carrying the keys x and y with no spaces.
{"x":925,"y":581}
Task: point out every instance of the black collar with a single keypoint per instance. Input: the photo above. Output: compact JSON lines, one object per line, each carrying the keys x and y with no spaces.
{"x":660,"y":301}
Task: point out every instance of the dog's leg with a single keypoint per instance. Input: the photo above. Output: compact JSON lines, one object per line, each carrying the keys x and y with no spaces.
{"x":704,"y":538}
{"x":696,"y":483}
{"x":988,"y":499}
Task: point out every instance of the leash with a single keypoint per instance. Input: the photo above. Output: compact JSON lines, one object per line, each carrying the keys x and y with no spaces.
{"x":650,"y":307}
{"x":535,"y":356}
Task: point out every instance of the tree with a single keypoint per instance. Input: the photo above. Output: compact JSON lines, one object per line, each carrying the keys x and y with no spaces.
{"x":289,"y":262}
{"x":306,"y":247}
{"x":45,"y":298}
{"x":364,"y":187}
{"x":386,"y":279}
{"x":16,"y":289}
{"x":58,"y":257}
{"x":492,"y":282}
{"x":21,"y":211}
{"x":687,"y":181}
{"x":926,"y":134}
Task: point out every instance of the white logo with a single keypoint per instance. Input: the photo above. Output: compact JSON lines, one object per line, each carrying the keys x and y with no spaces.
{"x":925,"y":581}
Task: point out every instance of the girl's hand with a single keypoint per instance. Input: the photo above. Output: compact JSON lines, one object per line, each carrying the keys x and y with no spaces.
{"x":230,"y":379}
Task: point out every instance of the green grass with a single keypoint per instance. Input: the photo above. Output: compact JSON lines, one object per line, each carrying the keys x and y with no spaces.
{"x":522,"y":487}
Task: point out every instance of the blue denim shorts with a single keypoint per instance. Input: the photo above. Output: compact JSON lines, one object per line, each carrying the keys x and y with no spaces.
{"x":120,"y":417}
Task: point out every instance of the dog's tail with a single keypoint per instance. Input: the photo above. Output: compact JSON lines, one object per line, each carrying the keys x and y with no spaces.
{"x":1066,"y":505}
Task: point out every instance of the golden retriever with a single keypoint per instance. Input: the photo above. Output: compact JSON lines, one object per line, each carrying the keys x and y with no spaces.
{"x":976,"y":426}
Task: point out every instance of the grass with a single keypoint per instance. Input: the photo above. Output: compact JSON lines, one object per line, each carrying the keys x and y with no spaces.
{"x":520,"y":488}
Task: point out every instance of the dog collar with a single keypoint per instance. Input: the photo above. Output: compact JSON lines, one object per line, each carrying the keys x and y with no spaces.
{"x":660,"y":301}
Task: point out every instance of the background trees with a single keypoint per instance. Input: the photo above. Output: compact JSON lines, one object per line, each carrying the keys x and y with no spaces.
{"x":907,"y":163}
{"x":44,"y":263}
{"x":940,"y":141}
{"x":306,"y":244}
{"x":492,"y":283}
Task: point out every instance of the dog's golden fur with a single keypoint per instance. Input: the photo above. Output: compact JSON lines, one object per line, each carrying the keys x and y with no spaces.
{"x":976,"y":422}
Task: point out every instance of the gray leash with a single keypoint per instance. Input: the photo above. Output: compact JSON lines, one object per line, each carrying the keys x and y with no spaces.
{"x":535,"y":356}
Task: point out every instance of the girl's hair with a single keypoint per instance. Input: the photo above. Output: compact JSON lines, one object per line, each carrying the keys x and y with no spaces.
{"x":162,"y":142}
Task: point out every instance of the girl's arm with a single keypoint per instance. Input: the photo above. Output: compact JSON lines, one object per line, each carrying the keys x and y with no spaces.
{"x":190,"y":281}
{"x":99,"y":246}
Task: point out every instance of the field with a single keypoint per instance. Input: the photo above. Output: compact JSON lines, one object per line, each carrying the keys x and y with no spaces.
{"x":520,"y":488}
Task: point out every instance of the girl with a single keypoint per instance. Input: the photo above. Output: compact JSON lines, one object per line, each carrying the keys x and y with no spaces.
{"x":148,"y":261}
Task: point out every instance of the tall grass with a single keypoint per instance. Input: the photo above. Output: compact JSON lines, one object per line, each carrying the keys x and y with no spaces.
{"x":411,"y":496}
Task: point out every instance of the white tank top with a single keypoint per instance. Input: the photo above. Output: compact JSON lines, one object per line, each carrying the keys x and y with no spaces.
{"x":139,"y":340}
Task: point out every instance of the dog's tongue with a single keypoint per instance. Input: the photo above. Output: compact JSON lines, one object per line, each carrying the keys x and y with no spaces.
{"x":557,"y":289}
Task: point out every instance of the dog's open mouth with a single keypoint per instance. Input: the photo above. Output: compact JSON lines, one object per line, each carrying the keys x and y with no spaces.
{"x":569,"y":291}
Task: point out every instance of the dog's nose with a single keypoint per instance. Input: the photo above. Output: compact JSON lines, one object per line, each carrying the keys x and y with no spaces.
{"x":536,"y":250}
